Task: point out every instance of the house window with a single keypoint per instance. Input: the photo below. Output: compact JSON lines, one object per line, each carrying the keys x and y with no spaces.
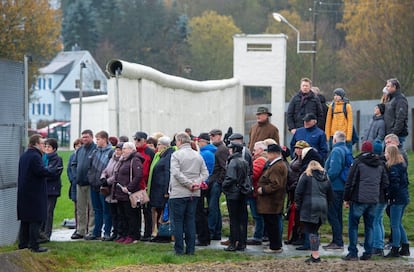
{"x":43,"y":109}
{"x":39,"y":83}
{"x":49,"y":85}
{"x":43,"y":83}
{"x":38,"y":108}
{"x":77,"y":84}
{"x":49,"y":109}
{"x":33,"y":109}
{"x":96,"y":84}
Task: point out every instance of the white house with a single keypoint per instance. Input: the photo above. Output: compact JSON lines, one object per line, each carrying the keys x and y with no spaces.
{"x":60,"y":81}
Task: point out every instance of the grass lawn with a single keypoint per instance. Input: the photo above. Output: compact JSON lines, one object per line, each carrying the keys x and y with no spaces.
{"x":96,"y":255}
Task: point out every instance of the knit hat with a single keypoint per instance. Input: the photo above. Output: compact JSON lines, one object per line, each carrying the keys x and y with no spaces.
{"x":340,"y":92}
{"x":381,"y":108}
{"x":378,"y":147}
{"x":113,"y":140}
{"x":367,"y":147}
{"x":301,"y":144}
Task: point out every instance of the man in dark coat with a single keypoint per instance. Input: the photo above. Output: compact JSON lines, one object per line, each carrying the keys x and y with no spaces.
{"x":32,"y":194}
{"x":396,"y":111}
{"x":304,"y":102}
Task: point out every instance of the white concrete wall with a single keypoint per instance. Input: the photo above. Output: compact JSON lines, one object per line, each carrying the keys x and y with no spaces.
{"x":95,"y":115}
{"x":151,"y":101}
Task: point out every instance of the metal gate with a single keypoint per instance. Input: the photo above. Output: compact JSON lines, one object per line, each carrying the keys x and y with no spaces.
{"x":11,"y":132}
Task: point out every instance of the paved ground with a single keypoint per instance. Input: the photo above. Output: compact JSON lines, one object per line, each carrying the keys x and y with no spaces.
{"x":63,"y":235}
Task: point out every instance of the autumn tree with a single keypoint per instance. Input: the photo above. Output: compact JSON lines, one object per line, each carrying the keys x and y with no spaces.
{"x":79,"y":25}
{"x":29,"y":27}
{"x":211,"y":46}
{"x":379,"y":45}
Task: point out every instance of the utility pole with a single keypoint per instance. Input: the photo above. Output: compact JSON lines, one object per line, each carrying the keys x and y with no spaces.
{"x":314,"y":38}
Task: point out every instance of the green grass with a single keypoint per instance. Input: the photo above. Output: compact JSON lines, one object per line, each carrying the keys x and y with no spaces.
{"x":96,"y":255}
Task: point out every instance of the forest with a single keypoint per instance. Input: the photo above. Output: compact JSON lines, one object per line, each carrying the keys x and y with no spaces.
{"x":359,"y":43}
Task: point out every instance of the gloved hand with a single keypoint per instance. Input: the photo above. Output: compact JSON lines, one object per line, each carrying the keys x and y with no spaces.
{"x":104,"y":182}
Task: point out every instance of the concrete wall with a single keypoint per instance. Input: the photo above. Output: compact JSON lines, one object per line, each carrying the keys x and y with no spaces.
{"x":95,"y":115}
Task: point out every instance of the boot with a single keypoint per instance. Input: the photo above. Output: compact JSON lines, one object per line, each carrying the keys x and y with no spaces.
{"x":393,"y":253}
{"x":405,"y":250}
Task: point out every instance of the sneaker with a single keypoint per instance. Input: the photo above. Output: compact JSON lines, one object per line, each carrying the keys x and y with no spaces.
{"x":130,"y":240}
{"x":378,"y":252}
{"x":90,"y":237}
{"x":311,"y":259}
{"x":273,"y":251}
{"x":253,"y":242}
{"x":350,"y":257}
{"x":107,"y":238}
{"x":332,"y":246}
{"x":230,"y":248}
{"x":120,"y":240}
{"x":365,"y":257}
{"x":76,"y":236}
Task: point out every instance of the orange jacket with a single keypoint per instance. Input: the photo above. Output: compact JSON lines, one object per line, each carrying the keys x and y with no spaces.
{"x":338,"y":121}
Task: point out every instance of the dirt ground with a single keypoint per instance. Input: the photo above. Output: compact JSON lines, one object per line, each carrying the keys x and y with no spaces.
{"x":287,"y":264}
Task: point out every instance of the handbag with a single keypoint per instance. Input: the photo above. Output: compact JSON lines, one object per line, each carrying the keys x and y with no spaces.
{"x":138,"y":198}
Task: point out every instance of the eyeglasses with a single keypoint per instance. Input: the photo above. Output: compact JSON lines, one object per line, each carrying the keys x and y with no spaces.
{"x":137,"y":140}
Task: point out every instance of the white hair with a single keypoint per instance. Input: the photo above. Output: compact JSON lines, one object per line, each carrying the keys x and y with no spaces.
{"x":129,"y":145}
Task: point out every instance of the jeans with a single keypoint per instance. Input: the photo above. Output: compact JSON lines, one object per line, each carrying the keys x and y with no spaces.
{"x":258,"y":220}
{"x":214,"y":213}
{"x":399,"y":236}
{"x":183,"y":211}
{"x":367,"y":211}
{"x":102,"y":214}
{"x":378,"y":228}
{"x":238,"y":221}
{"x":335,"y":218}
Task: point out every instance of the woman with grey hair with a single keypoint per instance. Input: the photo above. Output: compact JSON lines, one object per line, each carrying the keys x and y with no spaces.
{"x":159,"y":180}
{"x":128,"y":176}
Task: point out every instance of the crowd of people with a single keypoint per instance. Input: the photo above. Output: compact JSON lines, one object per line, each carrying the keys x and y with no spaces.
{"x":172,"y":187}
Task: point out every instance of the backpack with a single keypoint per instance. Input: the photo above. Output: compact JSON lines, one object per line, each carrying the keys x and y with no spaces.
{"x":355,"y":137}
{"x":349,"y":159}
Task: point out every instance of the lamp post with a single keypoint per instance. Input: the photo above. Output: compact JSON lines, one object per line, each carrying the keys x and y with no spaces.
{"x":82,"y":66}
{"x":278,"y":17}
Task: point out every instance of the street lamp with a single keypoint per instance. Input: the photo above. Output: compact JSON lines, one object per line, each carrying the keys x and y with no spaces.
{"x":82,"y":66}
{"x":278,"y":17}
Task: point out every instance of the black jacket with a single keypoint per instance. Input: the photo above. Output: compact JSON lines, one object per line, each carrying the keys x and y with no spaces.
{"x":220,"y":159}
{"x":396,"y":115}
{"x":367,"y":180}
{"x":298,"y":109}
{"x":312,"y":196}
{"x":236,"y":172}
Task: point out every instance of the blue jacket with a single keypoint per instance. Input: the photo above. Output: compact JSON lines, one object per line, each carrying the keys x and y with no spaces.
{"x":334,"y":166}
{"x":398,"y":188}
{"x":81,"y":164}
{"x":314,"y":136}
{"x":71,"y":177}
{"x":207,"y":152}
